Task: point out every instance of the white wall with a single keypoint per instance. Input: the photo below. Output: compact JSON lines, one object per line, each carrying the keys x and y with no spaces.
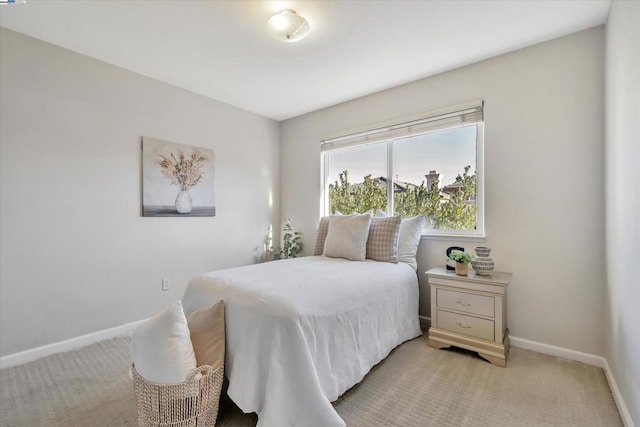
{"x":622,"y":320}
{"x":544,"y":177}
{"x":76,"y":255}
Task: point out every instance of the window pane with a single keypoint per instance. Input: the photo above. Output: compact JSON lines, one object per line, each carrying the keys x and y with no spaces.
{"x":357,"y":179}
{"x":435,"y":175}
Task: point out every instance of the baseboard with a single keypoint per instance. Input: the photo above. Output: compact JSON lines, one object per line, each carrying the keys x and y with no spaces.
{"x":589,"y":359}
{"x":425,"y":323}
{"x":617,"y":396}
{"x":70,"y":344}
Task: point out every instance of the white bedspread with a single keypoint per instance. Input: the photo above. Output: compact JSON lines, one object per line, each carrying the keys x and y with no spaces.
{"x":300,"y":332}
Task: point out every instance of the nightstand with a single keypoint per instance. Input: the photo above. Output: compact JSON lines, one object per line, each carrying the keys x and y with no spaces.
{"x":470,"y":312}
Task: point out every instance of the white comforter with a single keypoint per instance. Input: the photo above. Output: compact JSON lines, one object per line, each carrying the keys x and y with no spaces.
{"x":300,"y":332}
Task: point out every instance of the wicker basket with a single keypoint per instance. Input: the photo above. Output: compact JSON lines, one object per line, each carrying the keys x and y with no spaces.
{"x":193,"y":403}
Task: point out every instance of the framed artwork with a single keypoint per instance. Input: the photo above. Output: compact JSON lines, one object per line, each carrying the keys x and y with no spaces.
{"x":177,"y":179}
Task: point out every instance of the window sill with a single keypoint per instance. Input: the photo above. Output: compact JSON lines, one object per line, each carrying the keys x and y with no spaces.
{"x":453,"y":237}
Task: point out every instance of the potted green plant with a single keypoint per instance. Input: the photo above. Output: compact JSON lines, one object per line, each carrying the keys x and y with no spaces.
{"x":462,"y":260}
{"x":291,"y":244}
{"x":291,"y":241}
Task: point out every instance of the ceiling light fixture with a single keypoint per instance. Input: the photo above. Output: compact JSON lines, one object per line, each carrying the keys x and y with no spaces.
{"x":287,"y":26}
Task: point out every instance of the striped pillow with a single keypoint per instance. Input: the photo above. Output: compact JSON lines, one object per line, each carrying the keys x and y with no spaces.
{"x":382,"y":244}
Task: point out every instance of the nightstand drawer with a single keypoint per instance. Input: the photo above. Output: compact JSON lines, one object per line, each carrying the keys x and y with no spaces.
{"x":469,"y":303}
{"x":466,"y":325}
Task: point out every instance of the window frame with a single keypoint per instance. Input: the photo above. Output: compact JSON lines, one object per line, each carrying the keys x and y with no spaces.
{"x":479,"y":231}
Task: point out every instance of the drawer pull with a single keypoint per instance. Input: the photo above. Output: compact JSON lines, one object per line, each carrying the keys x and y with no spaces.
{"x":459,"y":323}
{"x":464,"y":304}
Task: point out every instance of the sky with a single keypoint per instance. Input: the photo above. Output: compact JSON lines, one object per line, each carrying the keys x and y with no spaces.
{"x":447,"y":151}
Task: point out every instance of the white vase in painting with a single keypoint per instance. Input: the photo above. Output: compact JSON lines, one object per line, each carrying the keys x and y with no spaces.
{"x":184,"y":204}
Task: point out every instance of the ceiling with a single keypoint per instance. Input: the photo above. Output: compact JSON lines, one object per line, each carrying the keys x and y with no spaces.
{"x":220,"y":49}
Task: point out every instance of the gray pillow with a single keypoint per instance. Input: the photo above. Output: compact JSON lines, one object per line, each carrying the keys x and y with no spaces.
{"x":382,"y":243}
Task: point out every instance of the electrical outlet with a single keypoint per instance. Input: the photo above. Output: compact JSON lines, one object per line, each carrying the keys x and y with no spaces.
{"x":166,"y":284}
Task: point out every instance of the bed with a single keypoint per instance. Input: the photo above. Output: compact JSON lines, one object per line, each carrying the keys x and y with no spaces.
{"x":302,"y":331}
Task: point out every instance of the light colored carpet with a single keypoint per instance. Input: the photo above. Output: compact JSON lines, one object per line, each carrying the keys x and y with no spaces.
{"x":415,"y":386}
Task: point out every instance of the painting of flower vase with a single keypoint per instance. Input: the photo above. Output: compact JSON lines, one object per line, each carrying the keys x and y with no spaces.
{"x":177,"y":179}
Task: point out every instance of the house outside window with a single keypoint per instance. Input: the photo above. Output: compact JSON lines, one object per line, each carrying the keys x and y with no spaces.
{"x":430,"y":165}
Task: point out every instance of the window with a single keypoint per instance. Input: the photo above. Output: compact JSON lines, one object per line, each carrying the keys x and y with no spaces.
{"x":431,"y":165}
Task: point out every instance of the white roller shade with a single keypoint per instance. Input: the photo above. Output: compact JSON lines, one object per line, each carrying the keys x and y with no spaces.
{"x":459,"y":117}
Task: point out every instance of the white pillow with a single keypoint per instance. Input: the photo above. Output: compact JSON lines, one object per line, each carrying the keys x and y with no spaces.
{"x":323,"y":229}
{"x":347,"y":237}
{"x":161,"y":347}
{"x":370,"y":211}
{"x":409,"y":239}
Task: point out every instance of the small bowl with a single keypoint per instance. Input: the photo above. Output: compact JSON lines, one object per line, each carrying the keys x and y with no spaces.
{"x":483,"y":251}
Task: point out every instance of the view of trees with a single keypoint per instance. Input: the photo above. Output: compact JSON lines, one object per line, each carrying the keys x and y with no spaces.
{"x":449,"y":207}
